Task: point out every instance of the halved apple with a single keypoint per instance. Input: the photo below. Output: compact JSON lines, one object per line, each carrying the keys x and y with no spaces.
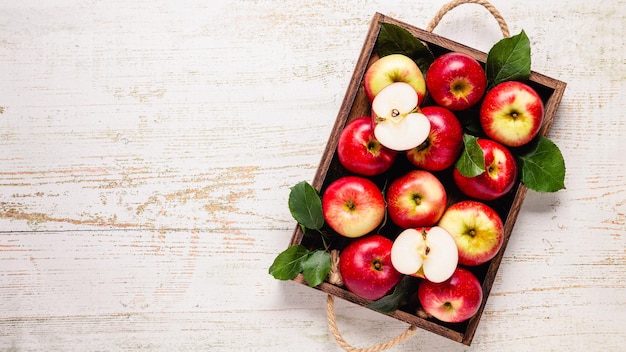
{"x":427,"y":252}
{"x":397,"y":124}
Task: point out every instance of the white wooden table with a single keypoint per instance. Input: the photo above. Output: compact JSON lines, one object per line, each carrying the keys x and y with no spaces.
{"x":147,"y":149}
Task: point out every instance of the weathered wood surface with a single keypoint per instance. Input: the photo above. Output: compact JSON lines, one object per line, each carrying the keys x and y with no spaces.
{"x":147,"y":149}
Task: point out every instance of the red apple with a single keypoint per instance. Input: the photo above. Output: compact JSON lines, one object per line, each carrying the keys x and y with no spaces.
{"x":456,"y":81}
{"x":360,"y":152}
{"x":444,"y":143}
{"x":353,"y":206}
{"x":426,"y":252}
{"x":511,"y":113}
{"x":454,"y":300}
{"x":416,"y":199}
{"x":477,"y":230}
{"x":393,"y":68}
{"x":365,"y":267}
{"x":498,"y":178}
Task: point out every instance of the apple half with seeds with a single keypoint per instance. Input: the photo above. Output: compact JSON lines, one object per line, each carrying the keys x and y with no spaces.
{"x":397,"y":123}
{"x":427,"y":252}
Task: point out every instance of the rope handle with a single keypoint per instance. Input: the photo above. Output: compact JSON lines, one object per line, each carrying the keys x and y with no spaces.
{"x":335,"y":276}
{"x":454,"y":3}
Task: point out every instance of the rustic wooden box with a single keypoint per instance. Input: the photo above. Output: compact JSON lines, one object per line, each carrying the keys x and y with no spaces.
{"x":355,"y":104}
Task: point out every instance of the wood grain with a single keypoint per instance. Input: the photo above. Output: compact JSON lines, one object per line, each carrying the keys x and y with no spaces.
{"x":147,"y":150}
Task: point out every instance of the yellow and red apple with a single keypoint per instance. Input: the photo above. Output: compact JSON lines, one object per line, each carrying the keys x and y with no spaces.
{"x":511,"y":113}
{"x":393,"y":68}
{"x":353,"y":206}
{"x":477,"y":230}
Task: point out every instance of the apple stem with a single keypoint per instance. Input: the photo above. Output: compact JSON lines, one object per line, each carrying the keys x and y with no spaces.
{"x":373,"y":146}
{"x":378,"y":265}
{"x":424,"y":145}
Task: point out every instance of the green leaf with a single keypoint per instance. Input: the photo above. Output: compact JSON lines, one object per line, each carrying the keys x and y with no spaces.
{"x":393,"y":39}
{"x":288,"y":263}
{"x":316,"y":267}
{"x":398,"y":298}
{"x":472,"y":160}
{"x":543,"y":168}
{"x":509,"y":60}
{"x":305,"y":205}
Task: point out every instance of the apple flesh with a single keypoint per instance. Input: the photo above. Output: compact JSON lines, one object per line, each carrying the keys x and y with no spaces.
{"x":456,"y":81}
{"x":353,"y":206}
{"x":360,"y":152}
{"x":416,"y":199}
{"x":477,"y":230}
{"x":366,"y":269}
{"x":397,"y":124}
{"x":498,"y":178}
{"x":444,"y":143}
{"x":393,"y":68}
{"x":511,"y":113}
{"x":428,"y":252}
{"x":454,"y":300}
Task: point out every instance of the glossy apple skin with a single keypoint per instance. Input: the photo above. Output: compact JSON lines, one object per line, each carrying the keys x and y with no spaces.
{"x":511,"y":113}
{"x":477,"y":230}
{"x":444,"y":143}
{"x":416,"y":199}
{"x":393,"y":68}
{"x":360,"y":152}
{"x":454,"y":300}
{"x":365,"y":267}
{"x":353,"y":206}
{"x":498,"y":178}
{"x":456,"y":81}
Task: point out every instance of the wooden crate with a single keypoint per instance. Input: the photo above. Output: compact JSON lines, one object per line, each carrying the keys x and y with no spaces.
{"x":356,"y":104}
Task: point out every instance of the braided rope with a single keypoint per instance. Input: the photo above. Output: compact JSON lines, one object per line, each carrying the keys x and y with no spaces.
{"x":452,"y":4}
{"x":332,"y":324}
